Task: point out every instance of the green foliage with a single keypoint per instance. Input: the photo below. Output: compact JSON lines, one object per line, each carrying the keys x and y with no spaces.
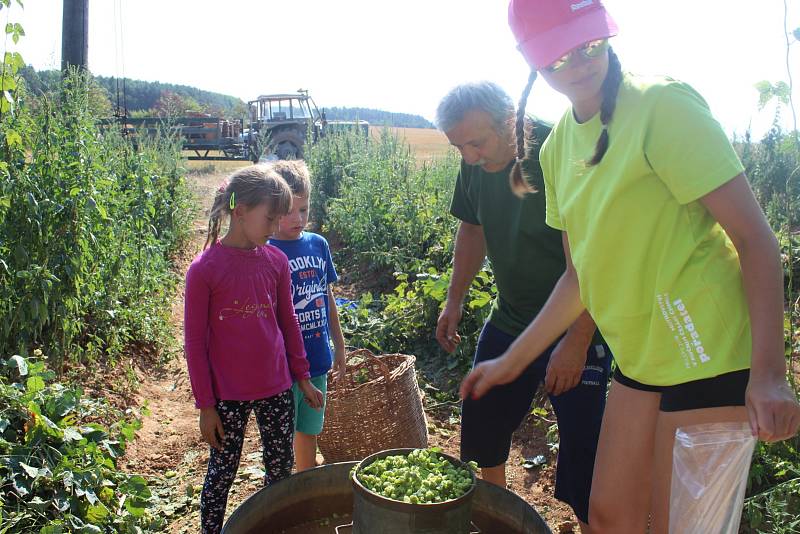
{"x":87,"y":230}
{"x":57,"y":466}
{"x":771,"y":166}
{"x":389,"y":211}
{"x":773,"y":501}
{"x":404,"y":320}
{"x":392,"y":216}
{"x":768,"y":91}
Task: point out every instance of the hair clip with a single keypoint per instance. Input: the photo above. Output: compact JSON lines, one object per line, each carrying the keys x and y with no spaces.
{"x":233,"y":200}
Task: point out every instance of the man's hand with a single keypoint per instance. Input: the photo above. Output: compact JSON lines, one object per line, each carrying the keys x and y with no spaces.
{"x":339,"y":364}
{"x":313,"y":396}
{"x":446,"y":327}
{"x":211,"y":427}
{"x":566,"y":365}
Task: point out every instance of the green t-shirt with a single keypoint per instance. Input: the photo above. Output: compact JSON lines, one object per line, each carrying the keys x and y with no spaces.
{"x":656,"y":271}
{"x":527,"y":256}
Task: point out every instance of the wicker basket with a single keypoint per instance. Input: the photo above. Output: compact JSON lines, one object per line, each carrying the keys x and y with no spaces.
{"x":376,"y":406}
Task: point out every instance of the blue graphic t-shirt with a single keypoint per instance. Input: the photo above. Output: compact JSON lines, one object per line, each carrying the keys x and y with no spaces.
{"x":312,"y":270}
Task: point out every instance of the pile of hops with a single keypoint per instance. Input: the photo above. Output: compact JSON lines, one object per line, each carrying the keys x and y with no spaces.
{"x":421,"y":477}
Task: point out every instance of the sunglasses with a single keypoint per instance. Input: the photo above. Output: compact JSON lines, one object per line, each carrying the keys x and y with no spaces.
{"x":589,"y":50}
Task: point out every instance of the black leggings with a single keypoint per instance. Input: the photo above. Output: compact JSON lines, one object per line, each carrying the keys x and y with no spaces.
{"x":275,"y":418}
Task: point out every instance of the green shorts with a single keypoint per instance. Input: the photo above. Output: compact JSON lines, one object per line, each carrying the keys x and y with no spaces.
{"x":306,"y":419}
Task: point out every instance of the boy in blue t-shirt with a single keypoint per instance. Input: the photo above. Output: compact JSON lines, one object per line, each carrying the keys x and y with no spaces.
{"x":312,"y":274}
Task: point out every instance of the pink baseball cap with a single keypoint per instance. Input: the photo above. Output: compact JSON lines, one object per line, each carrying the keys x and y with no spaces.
{"x":547,"y":29}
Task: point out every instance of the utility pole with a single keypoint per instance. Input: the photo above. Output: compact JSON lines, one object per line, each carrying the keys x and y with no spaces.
{"x":75,"y":35}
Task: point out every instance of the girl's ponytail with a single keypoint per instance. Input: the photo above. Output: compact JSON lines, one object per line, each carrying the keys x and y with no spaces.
{"x":519,"y":185}
{"x":221,"y":199}
{"x":610,"y":89}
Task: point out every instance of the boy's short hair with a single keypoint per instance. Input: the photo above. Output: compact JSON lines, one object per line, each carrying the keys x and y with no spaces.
{"x":295,"y":173}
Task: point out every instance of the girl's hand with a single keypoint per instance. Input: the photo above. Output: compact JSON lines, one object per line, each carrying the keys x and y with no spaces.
{"x":772,"y":407}
{"x":339,"y":364}
{"x":313,"y":396}
{"x":211,"y":427}
{"x":485,"y":376}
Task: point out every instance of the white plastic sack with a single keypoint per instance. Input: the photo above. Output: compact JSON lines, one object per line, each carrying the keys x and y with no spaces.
{"x":710,"y":464}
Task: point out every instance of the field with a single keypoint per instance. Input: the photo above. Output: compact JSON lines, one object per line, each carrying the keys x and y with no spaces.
{"x":426,"y":143}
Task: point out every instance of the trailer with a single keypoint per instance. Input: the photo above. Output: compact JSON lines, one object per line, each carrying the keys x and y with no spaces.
{"x":278,"y":127}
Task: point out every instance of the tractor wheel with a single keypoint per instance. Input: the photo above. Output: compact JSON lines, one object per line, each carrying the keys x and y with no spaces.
{"x":287,"y":144}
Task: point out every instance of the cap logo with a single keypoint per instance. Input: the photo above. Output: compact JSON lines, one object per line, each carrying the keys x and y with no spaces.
{"x":581,"y":5}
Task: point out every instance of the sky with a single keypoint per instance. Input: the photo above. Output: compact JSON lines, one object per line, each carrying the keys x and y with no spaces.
{"x":404,"y":56}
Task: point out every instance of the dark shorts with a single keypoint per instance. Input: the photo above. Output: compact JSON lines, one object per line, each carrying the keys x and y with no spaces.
{"x":488,"y":423}
{"x":724,"y":390}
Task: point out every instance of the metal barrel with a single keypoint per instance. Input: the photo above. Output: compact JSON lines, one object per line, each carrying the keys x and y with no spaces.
{"x":325,"y":494}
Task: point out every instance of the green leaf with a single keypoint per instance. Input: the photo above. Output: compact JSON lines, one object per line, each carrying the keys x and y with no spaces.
{"x":29,"y":470}
{"x":71,"y":434}
{"x":8,"y":83}
{"x":136,"y":486}
{"x":34,"y":384}
{"x":38,"y":504}
{"x":97,"y":513}
{"x":7,"y":103}
{"x":12,"y":139}
{"x":18,"y":363}
{"x":21,"y":486}
{"x":56,"y":527}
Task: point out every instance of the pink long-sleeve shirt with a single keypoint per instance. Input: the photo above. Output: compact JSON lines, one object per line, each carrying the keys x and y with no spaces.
{"x":241,"y":335}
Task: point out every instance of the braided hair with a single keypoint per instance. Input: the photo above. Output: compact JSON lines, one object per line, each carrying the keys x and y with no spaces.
{"x":519,"y":185}
{"x":610,"y":88}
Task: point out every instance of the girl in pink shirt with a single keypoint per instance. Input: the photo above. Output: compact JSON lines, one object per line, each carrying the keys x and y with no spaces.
{"x":243,"y":342}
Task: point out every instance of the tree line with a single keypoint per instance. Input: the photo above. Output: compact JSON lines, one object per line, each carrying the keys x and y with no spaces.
{"x":156,"y":99}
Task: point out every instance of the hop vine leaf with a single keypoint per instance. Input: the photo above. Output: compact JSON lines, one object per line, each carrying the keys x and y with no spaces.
{"x":767,"y":91}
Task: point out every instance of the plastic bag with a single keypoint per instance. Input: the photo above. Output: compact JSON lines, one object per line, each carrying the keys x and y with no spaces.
{"x":710,"y":463}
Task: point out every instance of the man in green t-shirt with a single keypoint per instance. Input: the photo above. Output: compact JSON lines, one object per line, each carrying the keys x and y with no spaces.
{"x":527,"y":259}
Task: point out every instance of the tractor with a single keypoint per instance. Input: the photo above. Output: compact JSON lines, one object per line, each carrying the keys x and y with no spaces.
{"x":281,"y":123}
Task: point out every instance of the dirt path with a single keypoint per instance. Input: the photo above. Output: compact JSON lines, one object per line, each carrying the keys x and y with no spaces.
{"x":169,"y":452}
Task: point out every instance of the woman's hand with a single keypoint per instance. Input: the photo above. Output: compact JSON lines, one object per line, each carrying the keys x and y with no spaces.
{"x":772,"y":407}
{"x":211,"y":427}
{"x":486,"y":375}
{"x":312,"y":395}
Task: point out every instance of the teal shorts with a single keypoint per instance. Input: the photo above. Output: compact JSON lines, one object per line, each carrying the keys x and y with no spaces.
{"x":306,"y":419}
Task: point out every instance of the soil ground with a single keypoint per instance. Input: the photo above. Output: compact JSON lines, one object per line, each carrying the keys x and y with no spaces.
{"x":169,"y":452}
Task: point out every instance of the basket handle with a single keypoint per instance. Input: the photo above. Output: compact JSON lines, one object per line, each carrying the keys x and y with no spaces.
{"x":368,"y":353}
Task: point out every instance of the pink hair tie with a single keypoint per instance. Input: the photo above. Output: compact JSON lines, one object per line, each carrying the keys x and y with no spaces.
{"x":223,"y":186}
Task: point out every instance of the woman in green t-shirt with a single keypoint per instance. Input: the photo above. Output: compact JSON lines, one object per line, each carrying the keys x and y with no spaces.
{"x":668,"y":250}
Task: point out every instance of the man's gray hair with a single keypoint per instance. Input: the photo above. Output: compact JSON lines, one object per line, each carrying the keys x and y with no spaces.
{"x":475,"y":96}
